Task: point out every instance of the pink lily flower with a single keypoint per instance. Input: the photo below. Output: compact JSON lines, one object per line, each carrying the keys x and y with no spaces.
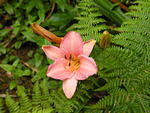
{"x":71,"y":61}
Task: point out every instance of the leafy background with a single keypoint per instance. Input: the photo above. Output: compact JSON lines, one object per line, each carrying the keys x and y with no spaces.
{"x":122,"y":83}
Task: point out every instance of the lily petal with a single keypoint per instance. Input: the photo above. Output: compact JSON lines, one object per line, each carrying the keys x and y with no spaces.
{"x":87,"y":68}
{"x":53,"y":52}
{"x":69,"y":87}
{"x":88,"y":46}
{"x":58,"y":70}
{"x":72,"y":44}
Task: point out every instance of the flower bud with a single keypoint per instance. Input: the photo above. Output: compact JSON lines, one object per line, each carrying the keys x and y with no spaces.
{"x":45,"y":33}
{"x":105,"y":39}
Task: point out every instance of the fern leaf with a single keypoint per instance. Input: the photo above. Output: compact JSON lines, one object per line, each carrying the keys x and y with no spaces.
{"x":1,"y":106}
{"x":24,"y":101}
{"x":12,"y":106}
{"x":128,"y":61}
{"x":89,"y":24}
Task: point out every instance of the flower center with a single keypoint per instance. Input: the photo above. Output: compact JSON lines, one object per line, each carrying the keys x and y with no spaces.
{"x":73,"y":63}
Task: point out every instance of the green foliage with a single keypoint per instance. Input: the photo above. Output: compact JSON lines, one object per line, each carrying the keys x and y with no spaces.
{"x":126,"y":67}
{"x":13,"y":106}
{"x":1,"y":106}
{"x":12,"y":85}
{"x":89,"y":25}
{"x":38,"y":104}
{"x":44,"y":99}
{"x":15,"y":71}
{"x":17,"y":39}
{"x":111,"y":11}
{"x":22,"y":60}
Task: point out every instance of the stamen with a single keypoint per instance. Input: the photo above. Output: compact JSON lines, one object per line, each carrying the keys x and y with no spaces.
{"x":73,"y":63}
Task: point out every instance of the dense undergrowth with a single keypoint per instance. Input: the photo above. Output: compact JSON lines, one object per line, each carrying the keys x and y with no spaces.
{"x":122,"y":83}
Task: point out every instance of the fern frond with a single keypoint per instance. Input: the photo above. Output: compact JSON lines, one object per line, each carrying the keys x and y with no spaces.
{"x":48,"y":110}
{"x":36,"y":95}
{"x":25,"y":102}
{"x":62,"y":104}
{"x":112,"y":84}
{"x":1,"y":106}
{"x":89,"y":22}
{"x":46,"y":100}
{"x":128,"y":60}
{"x":12,"y":105}
{"x":41,"y":98}
{"x":117,"y":97}
{"x":40,"y":103}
